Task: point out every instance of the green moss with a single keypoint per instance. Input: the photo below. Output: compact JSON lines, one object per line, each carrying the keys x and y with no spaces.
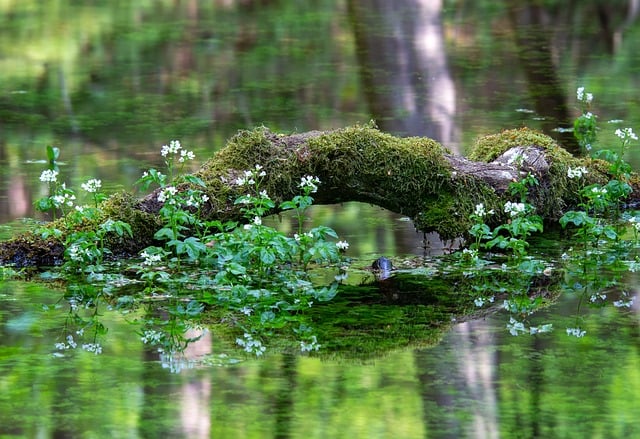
{"x":559,"y":192}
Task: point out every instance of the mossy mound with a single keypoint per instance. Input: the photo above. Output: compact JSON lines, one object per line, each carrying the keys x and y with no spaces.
{"x":558,"y":192}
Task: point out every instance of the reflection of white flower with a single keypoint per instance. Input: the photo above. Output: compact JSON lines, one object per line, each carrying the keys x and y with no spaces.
{"x":250,"y":345}
{"x":308,"y":347}
{"x":576,"y":332}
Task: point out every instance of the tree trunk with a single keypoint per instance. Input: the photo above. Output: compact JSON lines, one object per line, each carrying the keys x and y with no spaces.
{"x":413,"y":176}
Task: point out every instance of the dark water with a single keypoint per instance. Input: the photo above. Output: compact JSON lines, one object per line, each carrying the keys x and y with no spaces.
{"x":109,"y":83}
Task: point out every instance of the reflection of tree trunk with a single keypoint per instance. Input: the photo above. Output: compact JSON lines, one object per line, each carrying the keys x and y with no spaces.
{"x":403,"y":66}
{"x":284,"y":397}
{"x":533,"y":43}
{"x":456,"y":383}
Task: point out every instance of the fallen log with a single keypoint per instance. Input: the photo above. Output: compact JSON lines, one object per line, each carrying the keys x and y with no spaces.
{"x":413,"y":176}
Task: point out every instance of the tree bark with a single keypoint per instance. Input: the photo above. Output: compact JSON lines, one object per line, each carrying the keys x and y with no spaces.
{"x":414,"y":176}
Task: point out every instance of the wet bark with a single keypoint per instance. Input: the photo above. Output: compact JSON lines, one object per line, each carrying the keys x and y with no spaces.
{"x":415,"y":176}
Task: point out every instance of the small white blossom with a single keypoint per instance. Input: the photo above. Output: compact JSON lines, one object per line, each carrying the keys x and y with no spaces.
{"x":151,"y":336}
{"x":342,"y":245}
{"x":246,"y":310}
{"x":173,"y":148}
{"x":49,"y":176}
{"x":481,"y":212}
{"x":92,"y":185}
{"x":598,"y":191}
{"x":257,"y":220}
{"x":71,"y":342}
{"x":150,"y":259}
{"x":582,"y":96}
{"x":167,"y":193}
{"x":310,"y":182}
{"x":576,"y":172}
{"x":514,"y":209}
{"x":626,"y":133}
{"x":186,"y":155}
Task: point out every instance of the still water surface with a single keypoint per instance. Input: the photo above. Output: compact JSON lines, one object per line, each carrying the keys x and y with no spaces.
{"x":109,"y":84}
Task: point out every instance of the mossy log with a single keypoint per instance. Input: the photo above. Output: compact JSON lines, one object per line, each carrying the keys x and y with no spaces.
{"x":413,"y":176}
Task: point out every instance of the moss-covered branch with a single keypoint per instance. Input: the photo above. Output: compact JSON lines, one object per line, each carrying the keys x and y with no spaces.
{"x":414,"y":176}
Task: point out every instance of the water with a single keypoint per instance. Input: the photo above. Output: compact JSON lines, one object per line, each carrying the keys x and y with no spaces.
{"x":110,"y":83}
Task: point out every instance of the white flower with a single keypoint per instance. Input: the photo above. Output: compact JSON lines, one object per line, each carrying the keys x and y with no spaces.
{"x":626,"y":133}
{"x":479,"y":301}
{"x":514,"y":209}
{"x":257,"y":220}
{"x":246,"y":310}
{"x":576,"y":332}
{"x":173,"y":148}
{"x":92,"y":185}
{"x":582,"y":96}
{"x":150,"y":259}
{"x":598,"y":191}
{"x":310,"y":182}
{"x":480,"y":210}
{"x":264,"y":195}
{"x":49,"y":176}
{"x":70,"y":342}
{"x":576,"y":172}
{"x":342,"y":245}
{"x":186,"y":155}
{"x":166,"y":193}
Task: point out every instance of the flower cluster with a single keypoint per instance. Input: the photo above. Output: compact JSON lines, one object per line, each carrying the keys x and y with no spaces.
{"x":173,"y":148}
{"x":65,"y":198}
{"x":576,"y":172}
{"x":342,"y":245}
{"x":150,"y":259}
{"x":481,"y":212}
{"x":249,"y":177}
{"x":166,"y":194}
{"x":92,"y":185}
{"x":309,"y":182}
{"x":250,"y":345}
{"x":626,"y":134}
{"x":582,"y":96}
{"x":514,"y":209}
{"x":49,"y":176}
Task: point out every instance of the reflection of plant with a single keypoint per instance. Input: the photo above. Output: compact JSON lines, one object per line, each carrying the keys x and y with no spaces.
{"x":593,"y":268}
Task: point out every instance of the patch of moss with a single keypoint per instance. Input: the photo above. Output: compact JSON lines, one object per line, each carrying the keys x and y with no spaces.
{"x":558,"y":192}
